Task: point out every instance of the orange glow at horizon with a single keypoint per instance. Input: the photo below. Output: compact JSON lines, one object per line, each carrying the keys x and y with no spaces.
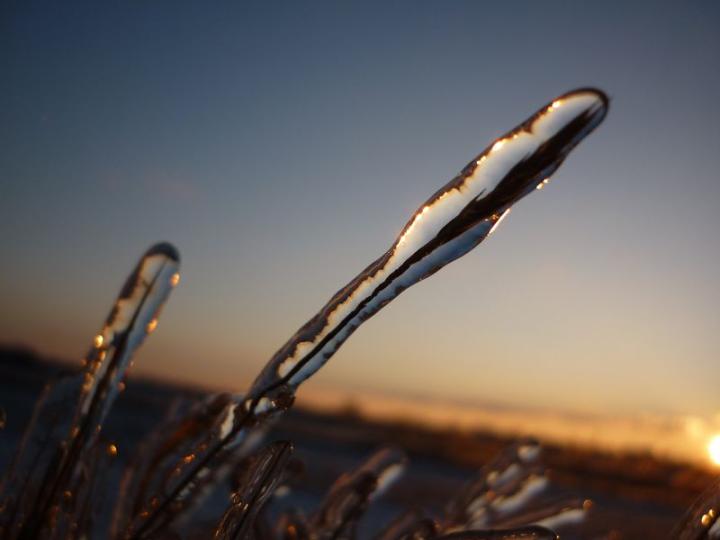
{"x":714,"y":450}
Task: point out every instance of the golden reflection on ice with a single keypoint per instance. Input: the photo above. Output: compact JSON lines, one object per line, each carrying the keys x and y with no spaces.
{"x":175,"y":279}
{"x":98,"y":341}
{"x":498,"y":145}
{"x":498,"y":220}
{"x":708,"y":518}
{"x":151,"y":326}
{"x":409,"y":230}
{"x":453,"y":221}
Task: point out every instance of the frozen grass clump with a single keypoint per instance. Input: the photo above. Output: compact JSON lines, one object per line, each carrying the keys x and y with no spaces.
{"x":57,"y":483}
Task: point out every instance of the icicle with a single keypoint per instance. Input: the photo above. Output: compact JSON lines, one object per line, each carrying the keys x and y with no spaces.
{"x":448,"y":225}
{"x":209,"y":445}
{"x":260,"y":477}
{"x":164,"y":462}
{"x":507,"y":492}
{"x":504,"y":486}
{"x":68,"y":418}
{"x":348,"y":498}
{"x":133,"y":317}
{"x":452,"y":222}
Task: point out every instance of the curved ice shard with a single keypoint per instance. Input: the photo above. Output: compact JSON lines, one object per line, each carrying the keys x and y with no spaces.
{"x":39,"y":480}
{"x":263,"y":472}
{"x":133,"y":317}
{"x":348,"y":498}
{"x":504,"y":487}
{"x":506,"y":494}
{"x":177,"y":445}
{"x":449,"y":224}
{"x":453,"y":221}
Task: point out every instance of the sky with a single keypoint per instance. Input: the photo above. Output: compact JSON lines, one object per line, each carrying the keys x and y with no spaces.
{"x":281,"y":146}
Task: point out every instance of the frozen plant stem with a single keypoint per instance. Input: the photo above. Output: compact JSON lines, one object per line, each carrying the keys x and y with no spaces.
{"x":449,"y":224}
{"x":54,"y":477}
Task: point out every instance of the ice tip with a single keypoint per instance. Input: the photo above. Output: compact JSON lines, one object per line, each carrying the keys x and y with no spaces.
{"x":166,"y":249}
{"x":600,"y":97}
{"x":576,"y":113}
{"x":599,"y":94}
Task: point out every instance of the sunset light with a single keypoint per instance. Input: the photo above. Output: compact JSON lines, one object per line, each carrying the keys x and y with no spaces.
{"x":338,"y":325}
{"x":714,"y":449}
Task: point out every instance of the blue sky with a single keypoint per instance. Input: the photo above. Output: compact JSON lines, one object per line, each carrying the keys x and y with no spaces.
{"x":282,"y":145}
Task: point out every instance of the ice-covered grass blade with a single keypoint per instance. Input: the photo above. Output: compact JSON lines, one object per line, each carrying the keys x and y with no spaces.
{"x":510,"y":491}
{"x":348,"y":498}
{"x":69,"y":417}
{"x":165,"y":459}
{"x":450,"y":223}
{"x":261,"y":475}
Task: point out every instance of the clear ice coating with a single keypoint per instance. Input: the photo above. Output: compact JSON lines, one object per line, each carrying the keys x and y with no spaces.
{"x":163,"y":468}
{"x":261,"y":475}
{"x":449,"y":224}
{"x":192,"y":454}
{"x":133,"y":317}
{"x":61,"y":440}
{"x":507,"y":493}
{"x":48,"y":493}
{"x":347,"y":499}
{"x":503,"y":487}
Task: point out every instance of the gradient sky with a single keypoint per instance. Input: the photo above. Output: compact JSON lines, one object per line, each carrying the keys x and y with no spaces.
{"x":282,"y":145}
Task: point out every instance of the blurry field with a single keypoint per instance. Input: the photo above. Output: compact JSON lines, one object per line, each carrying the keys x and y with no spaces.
{"x":636,"y":496}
